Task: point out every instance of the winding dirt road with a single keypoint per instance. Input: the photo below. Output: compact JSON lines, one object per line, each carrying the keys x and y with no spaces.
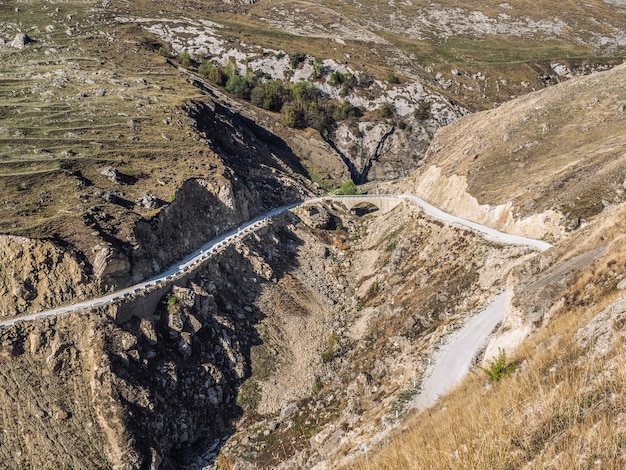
{"x":453,"y":365}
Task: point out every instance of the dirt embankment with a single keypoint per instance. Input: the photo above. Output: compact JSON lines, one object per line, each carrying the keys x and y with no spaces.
{"x":582,"y":269}
{"x":343,"y":345}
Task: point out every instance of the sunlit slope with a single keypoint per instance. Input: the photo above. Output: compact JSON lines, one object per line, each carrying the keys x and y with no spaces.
{"x":561,"y":149}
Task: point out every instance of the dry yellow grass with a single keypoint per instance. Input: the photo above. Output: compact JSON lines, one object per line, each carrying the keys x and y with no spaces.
{"x":561,"y":148}
{"x":562,"y":409}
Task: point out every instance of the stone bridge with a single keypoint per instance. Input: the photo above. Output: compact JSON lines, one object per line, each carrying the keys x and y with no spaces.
{"x":384,"y":202}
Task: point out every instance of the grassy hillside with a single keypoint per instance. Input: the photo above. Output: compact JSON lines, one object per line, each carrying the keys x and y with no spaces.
{"x":559,"y":149}
{"x":86,"y":95}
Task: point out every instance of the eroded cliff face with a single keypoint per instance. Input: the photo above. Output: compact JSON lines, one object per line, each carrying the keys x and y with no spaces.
{"x":246,"y":170}
{"x":199,"y":212}
{"x":541,"y":165}
{"x":581,"y":270}
{"x":403,"y":282}
{"x":57,"y":397}
{"x":450,"y":192}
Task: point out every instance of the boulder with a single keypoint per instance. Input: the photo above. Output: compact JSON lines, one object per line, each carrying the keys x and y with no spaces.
{"x":149,"y":201}
{"x":21,"y":40}
{"x":112,"y":174}
{"x":317,"y":217}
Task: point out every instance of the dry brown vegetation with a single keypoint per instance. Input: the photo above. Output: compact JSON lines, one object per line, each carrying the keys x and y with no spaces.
{"x":558,"y":409}
{"x":561,"y":408}
{"x":565,"y":404}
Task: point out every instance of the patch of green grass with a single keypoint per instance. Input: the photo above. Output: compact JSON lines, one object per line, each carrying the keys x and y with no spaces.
{"x":171,"y":299}
{"x":347,"y":188}
{"x":501,"y":50}
{"x":398,"y":407}
{"x":396,"y":232}
{"x":317,"y":387}
{"x":329,"y":353}
{"x":249,"y":395}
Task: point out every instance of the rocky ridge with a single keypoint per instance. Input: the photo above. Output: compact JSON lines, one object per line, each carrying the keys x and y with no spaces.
{"x":366,"y":145}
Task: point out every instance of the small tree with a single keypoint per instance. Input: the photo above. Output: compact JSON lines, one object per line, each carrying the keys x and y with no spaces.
{"x":348,"y":188}
{"x":216,"y":75}
{"x":269,"y":95}
{"x":293,"y":116}
{"x":238,"y":85}
{"x":499,"y":367}
{"x":304,"y":91}
{"x":204,"y":68}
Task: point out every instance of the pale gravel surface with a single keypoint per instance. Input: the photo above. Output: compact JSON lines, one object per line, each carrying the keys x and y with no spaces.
{"x":452,"y":361}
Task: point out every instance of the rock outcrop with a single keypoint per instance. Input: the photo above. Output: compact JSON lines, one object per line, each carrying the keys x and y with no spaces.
{"x":38,"y":274}
{"x":21,"y":40}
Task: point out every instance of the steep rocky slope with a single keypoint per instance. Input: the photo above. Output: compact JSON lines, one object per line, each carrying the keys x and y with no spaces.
{"x":563,"y":406}
{"x":385,"y":139}
{"x":111,"y":154}
{"x":269,"y":343}
{"x":303,"y":343}
{"x":551,"y":164}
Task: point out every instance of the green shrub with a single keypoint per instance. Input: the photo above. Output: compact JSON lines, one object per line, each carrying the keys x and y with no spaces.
{"x":304,"y":91}
{"x":295,"y":59}
{"x":230,"y":68}
{"x":348,"y":188}
{"x":269,"y":95}
{"x":171,"y":299}
{"x":317,"y":386}
{"x":499,"y":367}
{"x":293,"y":116}
{"x":393,"y":78}
{"x":249,"y":395}
{"x":336,"y":78}
{"x":318,"y":68}
{"x":213,"y":73}
{"x":386,"y":110}
{"x":329,"y":352}
{"x":239,"y":86}
{"x":344,"y":110}
{"x":205,"y":68}
{"x":216,"y":75}
{"x":185,"y":59}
